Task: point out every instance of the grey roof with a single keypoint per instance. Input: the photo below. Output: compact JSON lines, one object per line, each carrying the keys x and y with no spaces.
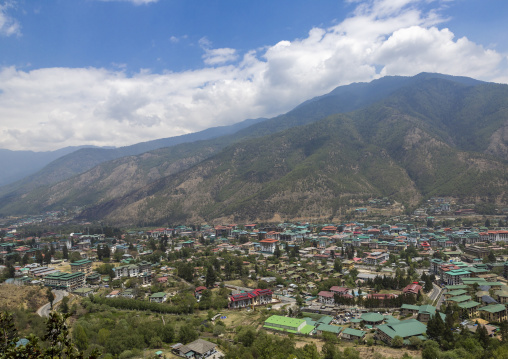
{"x":199,"y":346}
{"x":488,"y":299}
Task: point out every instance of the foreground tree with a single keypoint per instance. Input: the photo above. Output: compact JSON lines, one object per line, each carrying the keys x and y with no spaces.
{"x":59,"y":344}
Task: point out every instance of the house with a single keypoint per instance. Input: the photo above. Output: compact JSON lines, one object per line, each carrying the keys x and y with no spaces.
{"x":199,"y":291}
{"x":353,"y":334}
{"x":159,"y":297}
{"x":113,"y":294}
{"x":339,"y":290}
{"x":426,"y":312}
{"x":407,"y":309}
{"x":404,"y":329}
{"x":255,"y":297}
{"x":198,"y":349}
{"x":326,"y":297}
{"x":268,"y":245}
{"x":413,"y":289}
{"x":327,"y":328}
{"x":375,"y":258}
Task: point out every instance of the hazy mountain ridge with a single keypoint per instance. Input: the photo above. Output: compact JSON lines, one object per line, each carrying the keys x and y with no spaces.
{"x":69,"y":164}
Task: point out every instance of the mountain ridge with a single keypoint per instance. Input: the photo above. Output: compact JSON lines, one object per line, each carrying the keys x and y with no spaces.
{"x":410,"y":145}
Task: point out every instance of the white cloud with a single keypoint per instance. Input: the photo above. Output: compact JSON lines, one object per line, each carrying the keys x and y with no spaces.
{"x":219,"y":56}
{"x":8,"y":25}
{"x":56,"y":107}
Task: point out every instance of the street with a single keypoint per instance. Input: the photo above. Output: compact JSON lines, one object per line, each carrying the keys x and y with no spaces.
{"x":46,"y":308}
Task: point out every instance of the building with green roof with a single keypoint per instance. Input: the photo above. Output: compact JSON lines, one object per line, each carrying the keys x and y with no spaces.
{"x":158,"y":297}
{"x":326,"y":328}
{"x":459,"y":299}
{"x":471,"y":307}
{"x":426,"y":312}
{"x":404,"y":329}
{"x":455,"y":293}
{"x":456,"y":287}
{"x":353,"y":334}
{"x":494,"y":312}
{"x":83,"y":265}
{"x":67,"y":281}
{"x":325,"y":319}
{"x":290,"y":325}
{"x":372,"y":318}
{"x":407,"y":309}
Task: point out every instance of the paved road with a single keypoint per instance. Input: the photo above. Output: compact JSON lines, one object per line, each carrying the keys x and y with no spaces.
{"x":46,"y":308}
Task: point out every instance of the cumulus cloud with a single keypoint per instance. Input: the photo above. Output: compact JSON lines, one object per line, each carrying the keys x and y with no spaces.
{"x":56,"y":107}
{"x":8,"y":25}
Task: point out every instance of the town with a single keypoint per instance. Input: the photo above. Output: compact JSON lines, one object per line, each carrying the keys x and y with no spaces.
{"x":377,"y":284}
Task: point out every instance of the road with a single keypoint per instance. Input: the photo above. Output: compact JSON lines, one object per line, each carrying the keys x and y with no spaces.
{"x":46,"y":308}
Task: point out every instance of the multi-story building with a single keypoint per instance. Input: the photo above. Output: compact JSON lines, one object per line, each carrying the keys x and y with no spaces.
{"x":255,"y":297}
{"x":376,"y":258}
{"x":67,"y":281}
{"x":494,"y":313}
{"x":83,"y":266}
{"x":326,"y":297}
{"x":130,"y":270}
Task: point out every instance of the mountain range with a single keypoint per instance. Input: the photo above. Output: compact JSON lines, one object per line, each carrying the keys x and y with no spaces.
{"x":407,"y":138}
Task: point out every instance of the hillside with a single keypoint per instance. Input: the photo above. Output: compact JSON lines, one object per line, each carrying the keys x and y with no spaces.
{"x":407,"y":138}
{"x":19,"y":164}
{"x":314,"y":171}
{"x":64,"y":164}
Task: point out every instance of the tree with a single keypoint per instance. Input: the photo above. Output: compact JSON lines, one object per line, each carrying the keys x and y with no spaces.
{"x":58,"y":342}
{"x":277,"y":252}
{"x":51,"y":296}
{"x":8,"y":332}
{"x":187,"y":334}
{"x":64,"y":307}
{"x":210,"y":277}
{"x":80,"y":337}
{"x":65,"y":252}
{"x":168,"y":334}
{"x":435,"y":327}
{"x":492,"y":257}
{"x":397,"y":342}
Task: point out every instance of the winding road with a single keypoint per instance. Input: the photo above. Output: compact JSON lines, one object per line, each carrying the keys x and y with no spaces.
{"x":46,"y":308}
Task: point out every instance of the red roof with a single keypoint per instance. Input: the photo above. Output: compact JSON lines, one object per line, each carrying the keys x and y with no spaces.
{"x":269,"y":240}
{"x":325,"y":293}
{"x":412,"y":289}
{"x":338,"y":289}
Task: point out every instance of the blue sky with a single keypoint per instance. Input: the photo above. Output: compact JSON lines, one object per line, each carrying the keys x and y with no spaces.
{"x":120,"y":72}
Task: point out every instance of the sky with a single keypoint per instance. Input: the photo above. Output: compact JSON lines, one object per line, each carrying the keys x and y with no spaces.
{"x":119,"y":72}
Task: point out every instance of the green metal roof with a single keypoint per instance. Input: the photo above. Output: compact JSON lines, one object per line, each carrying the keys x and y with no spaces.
{"x":354,"y":332}
{"x":329,"y":328}
{"x":470,"y":304}
{"x":279,"y":320}
{"x":404,"y":329}
{"x":496,"y":308}
{"x":372,"y":317}
{"x":460,"y":298}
